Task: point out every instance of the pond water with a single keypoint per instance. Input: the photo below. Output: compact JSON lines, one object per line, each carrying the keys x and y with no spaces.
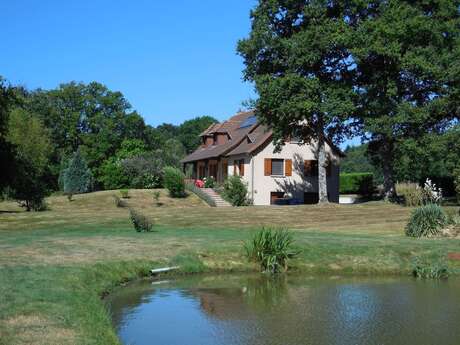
{"x":287,"y":310}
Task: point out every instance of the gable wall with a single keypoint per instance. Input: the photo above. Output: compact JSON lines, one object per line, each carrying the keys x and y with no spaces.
{"x":260,"y":186}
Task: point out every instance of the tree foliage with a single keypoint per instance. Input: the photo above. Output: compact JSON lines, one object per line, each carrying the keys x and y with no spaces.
{"x":32,"y":146}
{"x":406,"y":56}
{"x":77,"y":177}
{"x":297,"y":56}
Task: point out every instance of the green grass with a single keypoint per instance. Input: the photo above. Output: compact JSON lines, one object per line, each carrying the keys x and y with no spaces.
{"x":56,"y":265}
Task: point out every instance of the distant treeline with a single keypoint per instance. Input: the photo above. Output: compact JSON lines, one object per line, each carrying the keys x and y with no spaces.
{"x":434,"y":156}
{"x":40,"y":130}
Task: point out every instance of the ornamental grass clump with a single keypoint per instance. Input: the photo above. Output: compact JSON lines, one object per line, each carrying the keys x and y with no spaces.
{"x":426,"y":221}
{"x":140,"y":222}
{"x":411,"y":193}
{"x":271,"y":249}
{"x":430,"y":269}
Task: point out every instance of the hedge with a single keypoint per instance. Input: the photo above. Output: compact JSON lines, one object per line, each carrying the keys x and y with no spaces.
{"x":357,"y":183}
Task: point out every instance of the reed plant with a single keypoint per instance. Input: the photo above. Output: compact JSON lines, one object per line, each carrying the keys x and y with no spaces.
{"x":272,"y":249}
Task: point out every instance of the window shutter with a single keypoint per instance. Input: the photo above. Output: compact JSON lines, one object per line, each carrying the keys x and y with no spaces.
{"x":242,"y":167}
{"x":234,"y":168}
{"x":268,"y":166}
{"x":288,"y":167}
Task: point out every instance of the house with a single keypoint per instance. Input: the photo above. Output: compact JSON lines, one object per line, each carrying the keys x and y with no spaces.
{"x":242,"y":146}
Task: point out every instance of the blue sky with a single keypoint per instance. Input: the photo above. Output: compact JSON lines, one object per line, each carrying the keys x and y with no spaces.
{"x":173,"y":60}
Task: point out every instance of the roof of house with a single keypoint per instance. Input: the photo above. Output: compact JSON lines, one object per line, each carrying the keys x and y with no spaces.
{"x":233,"y":127}
{"x":246,"y":136}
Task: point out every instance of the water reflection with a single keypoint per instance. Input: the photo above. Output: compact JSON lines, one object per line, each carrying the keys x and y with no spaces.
{"x":288,"y":310}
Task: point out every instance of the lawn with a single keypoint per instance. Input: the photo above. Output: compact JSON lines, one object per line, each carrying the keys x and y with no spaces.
{"x":56,"y":265}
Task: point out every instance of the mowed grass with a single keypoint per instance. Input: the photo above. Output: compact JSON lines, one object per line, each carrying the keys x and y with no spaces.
{"x":55,"y":265}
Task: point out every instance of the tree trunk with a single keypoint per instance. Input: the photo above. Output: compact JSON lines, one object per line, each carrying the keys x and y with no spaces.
{"x":386,"y":155}
{"x":322,"y":178}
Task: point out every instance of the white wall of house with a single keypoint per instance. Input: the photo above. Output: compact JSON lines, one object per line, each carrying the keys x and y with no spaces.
{"x":260,"y":186}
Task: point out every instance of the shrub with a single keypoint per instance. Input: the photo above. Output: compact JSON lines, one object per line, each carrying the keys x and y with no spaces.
{"x":119,"y":202}
{"x":156,"y":197}
{"x":430,"y":268}
{"x":271,"y":249}
{"x":426,"y":221}
{"x":124,"y":193}
{"x":235,"y":191}
{"x":77,"y":177}
{"x":411,"y":193}
{"x":209,"y":182}
{"x":357,"y":183}
{"x":140,"y":222}
{"x":39,"y":205}
{"x":174,"y":181}
{"x":199,"y":192}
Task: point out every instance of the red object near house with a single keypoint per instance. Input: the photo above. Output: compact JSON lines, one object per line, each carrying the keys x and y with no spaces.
{"x":199,"y":183}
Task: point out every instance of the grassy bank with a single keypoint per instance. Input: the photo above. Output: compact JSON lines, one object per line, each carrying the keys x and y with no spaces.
{"x":55,"y":265}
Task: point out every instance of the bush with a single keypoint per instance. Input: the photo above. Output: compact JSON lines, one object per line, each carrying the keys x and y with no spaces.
{"x":271,"y":248}
{"x":39,"y":205}
{"x":174,"y":181}
{"x":202,"y":195}
{"x":411,"y":193}
{"x":357,"y":183}
{"x":430,"y":268}
{"x":235,"y":191}
{"x":209,"y":182}
{"x":140,"y":222}
{"x":77,"y":177}
{"x":156,"y":197}
{"x":124,"y":193}
{"x":426,"y":221}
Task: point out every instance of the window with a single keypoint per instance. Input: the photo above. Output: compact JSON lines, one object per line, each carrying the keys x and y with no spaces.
{"x":277,"y":167}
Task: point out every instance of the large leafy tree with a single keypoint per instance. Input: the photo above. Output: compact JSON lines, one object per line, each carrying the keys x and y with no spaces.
{"x":407,"y":57}
{"x":86,"y":116}
{"x":296,"y":54}
{"x":7,"y":160}
{"x":189,"y":131}
{"x":32,"y":148}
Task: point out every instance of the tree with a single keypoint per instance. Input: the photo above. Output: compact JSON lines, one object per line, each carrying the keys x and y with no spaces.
{"x":77,"y":176}
{"x":86,"y":116}
{"x":190,"y":130}
{"x":405,"y":56}
{"x":7,"y":155}
{"x":297,"y":56}
{"x":32,"y":147}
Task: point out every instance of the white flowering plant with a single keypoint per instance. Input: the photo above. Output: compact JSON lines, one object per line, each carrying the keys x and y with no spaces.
{"x":431,"y":193}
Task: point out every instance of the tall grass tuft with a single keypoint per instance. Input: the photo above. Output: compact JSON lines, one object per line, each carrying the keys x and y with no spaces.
{"x":271,"y":249}
{"x":124,"y":193}
{"x":430,"y":269}
{"x":411,"y":193}
{"x":426,"y":221}
{"x":140,"y":222}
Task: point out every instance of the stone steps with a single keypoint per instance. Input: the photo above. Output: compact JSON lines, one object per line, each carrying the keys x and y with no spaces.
{"x":216,"y":197}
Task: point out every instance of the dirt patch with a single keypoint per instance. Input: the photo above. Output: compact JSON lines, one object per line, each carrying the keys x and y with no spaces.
{"x":453,"y":256}
{"x":38,"y":330}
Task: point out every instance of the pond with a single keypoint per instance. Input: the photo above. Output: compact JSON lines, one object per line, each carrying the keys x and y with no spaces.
{"x":258,"y":310}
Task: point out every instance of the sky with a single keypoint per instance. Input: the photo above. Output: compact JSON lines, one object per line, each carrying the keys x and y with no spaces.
{"x":173,"y":60}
